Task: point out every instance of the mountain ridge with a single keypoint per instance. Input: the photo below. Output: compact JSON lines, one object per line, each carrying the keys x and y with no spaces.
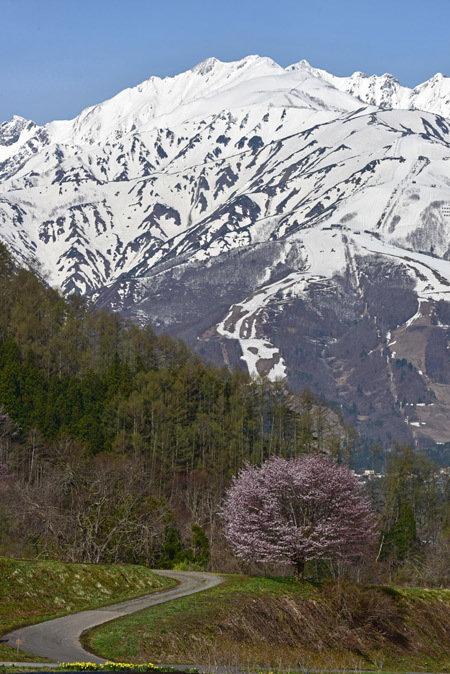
{"x":347,"y":84}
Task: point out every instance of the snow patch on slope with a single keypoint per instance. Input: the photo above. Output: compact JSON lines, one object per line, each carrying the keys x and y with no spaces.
{"x":245,"y":321}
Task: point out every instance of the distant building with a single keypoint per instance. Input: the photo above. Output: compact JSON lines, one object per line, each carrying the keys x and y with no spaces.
{"x":369,"y":475}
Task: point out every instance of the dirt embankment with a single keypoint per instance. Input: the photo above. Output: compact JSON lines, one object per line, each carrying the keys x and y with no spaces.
{"x":339,"y":626}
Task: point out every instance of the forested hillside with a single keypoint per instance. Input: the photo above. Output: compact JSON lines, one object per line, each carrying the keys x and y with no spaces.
{"x":105,"y":422}
{"x":117,"y":444}
{"x":70,"y":371}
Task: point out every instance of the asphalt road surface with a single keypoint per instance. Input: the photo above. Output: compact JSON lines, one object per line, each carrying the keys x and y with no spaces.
{"x":59,"y":639}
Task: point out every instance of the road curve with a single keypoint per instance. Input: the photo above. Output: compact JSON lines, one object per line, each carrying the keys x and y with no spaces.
{"x":59,"y":639}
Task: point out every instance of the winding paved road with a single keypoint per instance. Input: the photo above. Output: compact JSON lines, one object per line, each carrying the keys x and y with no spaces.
{"x":59,"y":639}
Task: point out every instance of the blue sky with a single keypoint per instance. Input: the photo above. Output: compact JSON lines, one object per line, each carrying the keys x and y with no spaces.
{"x":59,"y":56}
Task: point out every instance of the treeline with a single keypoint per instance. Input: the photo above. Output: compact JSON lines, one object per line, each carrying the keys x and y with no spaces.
{"x":117,"y":444}
{"x":68,"y":370}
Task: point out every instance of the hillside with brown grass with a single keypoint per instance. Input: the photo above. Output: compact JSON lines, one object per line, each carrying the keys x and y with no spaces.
{"x":280,"y":623}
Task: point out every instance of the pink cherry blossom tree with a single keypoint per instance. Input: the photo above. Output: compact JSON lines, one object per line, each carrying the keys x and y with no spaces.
{"x":297,"y":510}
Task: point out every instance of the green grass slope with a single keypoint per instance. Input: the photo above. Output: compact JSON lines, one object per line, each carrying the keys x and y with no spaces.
{"x":33,"y":591}
{"x":279,"y":623}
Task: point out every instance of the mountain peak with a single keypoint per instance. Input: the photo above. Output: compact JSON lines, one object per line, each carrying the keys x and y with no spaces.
{"x":205,"y":67}
{"x":390,"y":78}
{"x":302,"y":65}
{"x":11,"y":132}
{"x":255,"y":58}
{"x":18,"y":121}
{"x":209,"y":64}
{"x":358,"y":74}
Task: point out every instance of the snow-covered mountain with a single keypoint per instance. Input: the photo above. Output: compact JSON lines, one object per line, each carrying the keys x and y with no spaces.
{"x":386,"y":92}
{"x":286,"y":219}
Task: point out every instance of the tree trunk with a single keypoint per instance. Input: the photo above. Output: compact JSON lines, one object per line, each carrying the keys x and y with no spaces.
{"x":299,"y":566}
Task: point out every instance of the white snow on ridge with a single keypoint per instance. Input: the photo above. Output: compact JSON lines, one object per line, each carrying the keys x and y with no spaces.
{"x":213,"y":86}
{"x":208,"y":88}
{"x":431,"y":275}
{"x":385,"y":91}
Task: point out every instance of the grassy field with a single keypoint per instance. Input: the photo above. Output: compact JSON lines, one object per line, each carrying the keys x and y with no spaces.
{"x":278,"y":623}
{"x":33,"y":591}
